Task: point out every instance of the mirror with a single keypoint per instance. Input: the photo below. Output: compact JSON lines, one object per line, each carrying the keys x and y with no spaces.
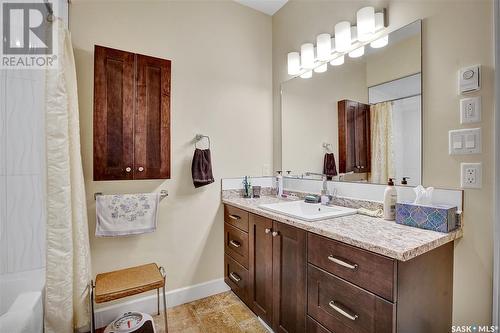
{"x":360,"y":121}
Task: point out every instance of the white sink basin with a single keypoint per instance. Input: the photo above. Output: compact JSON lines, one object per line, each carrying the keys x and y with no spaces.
{"x":306,"y":211}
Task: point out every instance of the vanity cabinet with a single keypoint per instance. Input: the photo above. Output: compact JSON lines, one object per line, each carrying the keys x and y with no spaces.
{"x":354,"y":137}
{"x":274,"y":286}
{"x":131,"y":116}
{"x":298,"y":281}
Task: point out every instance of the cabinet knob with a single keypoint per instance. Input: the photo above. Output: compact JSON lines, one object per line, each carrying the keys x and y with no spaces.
{"x":267,"y":230}
{"x":141,"y":169}
{"x":128,"y":169}
{"x":275,"y":233}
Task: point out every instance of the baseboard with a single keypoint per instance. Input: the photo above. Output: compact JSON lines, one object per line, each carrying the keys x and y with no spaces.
{"x":148,"y":304}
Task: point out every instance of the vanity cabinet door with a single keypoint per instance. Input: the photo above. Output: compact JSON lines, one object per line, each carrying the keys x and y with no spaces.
{"x":152,"y":119}
{"x":289,"y":278}
{"x":113,"y":114}
{"x":261,"y":267}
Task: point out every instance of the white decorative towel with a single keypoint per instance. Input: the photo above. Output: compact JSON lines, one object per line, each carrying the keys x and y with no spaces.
{"x":126,"y":214}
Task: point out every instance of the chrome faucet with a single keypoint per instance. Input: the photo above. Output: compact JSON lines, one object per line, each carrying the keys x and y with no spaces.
{"x":324,"y":191}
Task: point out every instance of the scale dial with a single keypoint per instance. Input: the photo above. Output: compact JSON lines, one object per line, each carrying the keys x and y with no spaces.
{"x":128,"y":321}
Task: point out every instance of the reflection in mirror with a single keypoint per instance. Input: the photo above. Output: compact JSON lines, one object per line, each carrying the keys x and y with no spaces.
{"x":360,"y":121}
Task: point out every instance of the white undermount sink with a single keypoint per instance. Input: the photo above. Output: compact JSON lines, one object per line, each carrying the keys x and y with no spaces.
{"x":307,"y":211}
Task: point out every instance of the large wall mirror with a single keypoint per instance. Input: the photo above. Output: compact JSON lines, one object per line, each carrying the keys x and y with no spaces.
{"x":360,"y":121}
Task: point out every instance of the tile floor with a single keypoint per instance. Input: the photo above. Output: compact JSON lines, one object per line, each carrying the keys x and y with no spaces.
{"x":220,"y":313}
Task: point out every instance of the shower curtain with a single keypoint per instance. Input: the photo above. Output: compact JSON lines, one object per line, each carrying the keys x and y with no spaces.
{"x":382,"y":145}
{"x":68,"y":256}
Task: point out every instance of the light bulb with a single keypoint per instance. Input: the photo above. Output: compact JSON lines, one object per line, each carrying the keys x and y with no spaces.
{"x":357,"y":52}
{"x":381,"y":42}
{"x":365,"y":18}
{"x":293,"y":63}
{"x":342,"y":36}
{"x":307,"y":56}
{"x":379,"y":21}
{"x":324,"y":46}
{"x":307,"y":75}
{"x":337,"y":61}
{"x":321,"y":68}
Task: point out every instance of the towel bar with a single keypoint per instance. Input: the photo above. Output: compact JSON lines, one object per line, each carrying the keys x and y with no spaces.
{"x":163,"y":194}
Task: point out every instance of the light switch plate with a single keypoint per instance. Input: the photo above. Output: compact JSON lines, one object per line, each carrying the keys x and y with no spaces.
{"x":469,"y":79}
{"x":470,"y":110}
{"x":464,"y":141}
{"x":472,"y":174}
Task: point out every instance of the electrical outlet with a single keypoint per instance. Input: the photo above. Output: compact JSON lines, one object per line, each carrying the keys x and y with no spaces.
{"x":470,"y":110}
{"x":471,"y":175}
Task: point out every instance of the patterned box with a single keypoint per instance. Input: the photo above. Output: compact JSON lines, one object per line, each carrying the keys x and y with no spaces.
{"x":440,"y":218}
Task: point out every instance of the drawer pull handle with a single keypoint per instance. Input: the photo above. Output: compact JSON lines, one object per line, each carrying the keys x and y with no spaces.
{"x":342,"y":262}
{"x":342,"y":310}
{"x":234,"y":217}
{"x":234,"y":277}
{"x":234,"y":243}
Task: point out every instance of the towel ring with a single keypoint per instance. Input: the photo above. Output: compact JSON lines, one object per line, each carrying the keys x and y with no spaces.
{"x":199,"y":137}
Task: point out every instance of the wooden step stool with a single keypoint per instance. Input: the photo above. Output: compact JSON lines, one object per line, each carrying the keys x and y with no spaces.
{"x":127,"y":282}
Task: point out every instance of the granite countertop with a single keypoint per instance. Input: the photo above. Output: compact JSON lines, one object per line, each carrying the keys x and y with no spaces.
{"x":373,"y":234}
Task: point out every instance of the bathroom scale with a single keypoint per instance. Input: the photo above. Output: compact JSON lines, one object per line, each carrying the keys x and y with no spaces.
{"x":132,"y":322}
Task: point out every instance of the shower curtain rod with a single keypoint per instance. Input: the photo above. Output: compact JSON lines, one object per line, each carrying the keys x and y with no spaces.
{"x":400,"y":98}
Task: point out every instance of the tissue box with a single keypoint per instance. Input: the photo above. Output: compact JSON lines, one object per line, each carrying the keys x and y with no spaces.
{"x":440,"y":218}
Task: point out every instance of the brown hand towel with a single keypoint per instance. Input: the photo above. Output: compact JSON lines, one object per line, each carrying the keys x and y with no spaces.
{"x":329,"y":166}
{"x":201,"y":168}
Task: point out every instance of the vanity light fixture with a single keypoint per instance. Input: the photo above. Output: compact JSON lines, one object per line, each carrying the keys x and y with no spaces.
{"x":321,"y":68}
{"x":365,"y":19}
{"x":381,"y":42}
{"x":348,"y":39}
{"x":337,"y":61}
{"x":307,"y":55}
{"x":307,"y":75}
{"x":357,"y":52}
{"x":293,"y":63}
{"x":324,"y":47}
{"x":343,"y":36}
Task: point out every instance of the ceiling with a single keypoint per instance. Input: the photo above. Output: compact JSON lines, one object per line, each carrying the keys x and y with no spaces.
{"x":268,"y":7}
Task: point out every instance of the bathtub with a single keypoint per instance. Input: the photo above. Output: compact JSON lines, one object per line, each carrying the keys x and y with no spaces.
{"x":21,"y":302}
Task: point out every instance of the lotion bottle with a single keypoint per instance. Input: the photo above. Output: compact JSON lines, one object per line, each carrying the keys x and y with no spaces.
{"x":390,"y":199}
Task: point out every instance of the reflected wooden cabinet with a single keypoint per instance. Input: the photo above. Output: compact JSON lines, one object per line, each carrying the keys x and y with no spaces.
{"x":131,"y":116}
{"x":354,"y":137}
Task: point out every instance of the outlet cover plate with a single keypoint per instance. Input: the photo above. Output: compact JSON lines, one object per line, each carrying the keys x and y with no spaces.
{"x":464,"y":141}
{"x":472,"y":175}
{"x":470,"y":110}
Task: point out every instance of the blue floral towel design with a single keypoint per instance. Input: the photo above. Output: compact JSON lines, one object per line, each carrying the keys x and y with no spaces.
{"x":126,"y":214}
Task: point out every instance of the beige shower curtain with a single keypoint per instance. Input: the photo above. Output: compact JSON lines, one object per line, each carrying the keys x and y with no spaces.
{"x":68,"y":257}
{"x":382,"y":145}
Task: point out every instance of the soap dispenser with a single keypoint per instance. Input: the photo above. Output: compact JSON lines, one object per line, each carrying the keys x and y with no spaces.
{"x":390,"y":199}
{"x":279,"y":184}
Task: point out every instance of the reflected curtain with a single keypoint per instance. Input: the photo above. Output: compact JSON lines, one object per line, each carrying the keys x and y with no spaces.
{"x":68,"y":256}
{"x":382,"y":144}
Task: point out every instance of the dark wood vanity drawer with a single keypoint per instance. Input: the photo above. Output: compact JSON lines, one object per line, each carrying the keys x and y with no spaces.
{"x":341,"y":306}
{"x":236,"y":244}
{"x":368,"y":270}
{"x":236,"y":276}
{"x":236,"y":217}
{"x":314,"y":327}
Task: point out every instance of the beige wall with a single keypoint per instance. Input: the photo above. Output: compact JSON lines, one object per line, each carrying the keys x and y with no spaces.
{"x":221,"y":86}
{"x":448,"y":44}
{"x":394,"y":61}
